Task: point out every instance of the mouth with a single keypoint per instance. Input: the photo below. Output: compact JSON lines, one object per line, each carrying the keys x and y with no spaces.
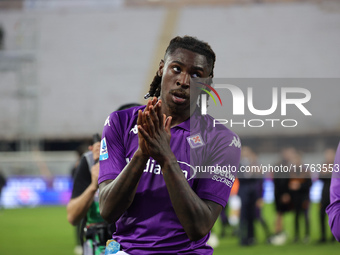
{"x":179,"y":97}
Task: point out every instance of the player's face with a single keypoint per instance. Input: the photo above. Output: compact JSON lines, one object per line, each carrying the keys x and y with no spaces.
{"x":176,"y":72}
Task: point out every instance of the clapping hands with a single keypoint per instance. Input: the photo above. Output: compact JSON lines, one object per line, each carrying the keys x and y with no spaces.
{"x":154,"y":131}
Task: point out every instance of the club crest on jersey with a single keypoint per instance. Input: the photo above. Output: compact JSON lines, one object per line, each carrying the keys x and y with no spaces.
{"x":195,"y":141}
{"x":103,"y":150}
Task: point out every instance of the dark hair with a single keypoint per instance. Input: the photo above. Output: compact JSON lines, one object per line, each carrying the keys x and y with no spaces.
{"x":188,"y":43}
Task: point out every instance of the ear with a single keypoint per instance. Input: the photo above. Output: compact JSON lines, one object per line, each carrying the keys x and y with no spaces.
{"x":160,"y":68}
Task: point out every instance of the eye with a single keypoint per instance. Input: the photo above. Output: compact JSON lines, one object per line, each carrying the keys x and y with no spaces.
{"x":177,"y":69}
{"x":195,"y":75}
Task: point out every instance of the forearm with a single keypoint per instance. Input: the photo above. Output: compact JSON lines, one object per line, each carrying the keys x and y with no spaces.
{"x":195,"y":214}
{"x":78,"y":207}
{"x":116,"y":196}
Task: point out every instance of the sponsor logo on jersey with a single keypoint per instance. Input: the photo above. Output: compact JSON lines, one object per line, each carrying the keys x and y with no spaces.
{"x":236,"y":142}
{"x":224,"y":180}
{"x":193,"y":170}
{"x":195,"y":141}
{"x":152,"y":167}
{"x":103,"y":150}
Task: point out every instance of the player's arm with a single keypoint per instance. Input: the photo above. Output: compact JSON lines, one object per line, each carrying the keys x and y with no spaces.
{"x":83,"y":191}
{"x":196,"y":215}
{"x":116,"y":196}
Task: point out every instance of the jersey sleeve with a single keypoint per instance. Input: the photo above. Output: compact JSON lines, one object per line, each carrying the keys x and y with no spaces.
{"x":112,"y":150}
{"x":82,"y":178}
{"x":223,"y":160}
{"x":333,"y":210}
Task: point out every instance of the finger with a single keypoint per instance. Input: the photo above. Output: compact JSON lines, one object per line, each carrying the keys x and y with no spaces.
{"x":150,"y":124}
{"x":147,"y":105}
{"x":154,"y":118}
{"x":143,"y":133}
{"x":145,"y":127}
{"x":140,"y":117}
{"x":159,"y":113}
{"x":168,"y":124}
{"x":154,"y":103}
{"x":141,"y":121}
{"x":144,"y":121}
{"x":154,"y":100}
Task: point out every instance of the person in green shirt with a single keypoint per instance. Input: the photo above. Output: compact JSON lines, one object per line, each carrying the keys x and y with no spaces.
{"x":83,"y":207}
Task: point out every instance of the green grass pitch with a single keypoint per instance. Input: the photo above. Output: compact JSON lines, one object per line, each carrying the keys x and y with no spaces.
{"x":45,"y":231}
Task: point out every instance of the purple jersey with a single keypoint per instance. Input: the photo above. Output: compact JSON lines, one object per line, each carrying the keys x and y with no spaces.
{"x":333,"y":210}
{"x":150,"y":224}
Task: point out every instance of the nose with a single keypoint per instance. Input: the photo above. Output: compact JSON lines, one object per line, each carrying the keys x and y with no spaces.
{"x":183,"y":80}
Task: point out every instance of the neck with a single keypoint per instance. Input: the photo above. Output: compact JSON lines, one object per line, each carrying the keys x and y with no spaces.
{"x":178,"y":115}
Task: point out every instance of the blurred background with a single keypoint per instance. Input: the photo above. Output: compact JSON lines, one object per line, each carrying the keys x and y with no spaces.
{"x":66,"y":65}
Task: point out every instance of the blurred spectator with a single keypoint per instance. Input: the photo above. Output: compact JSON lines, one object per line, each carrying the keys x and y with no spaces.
{"x":325,"y":177}
{"x":230,"y":215}
{"x":249,"y":194}
{"x":83,"y":208}
{"x":2,"y":184}
{"x":224,"y":220}
{"x":80,"y":151}
{"x":299,"y":187}
{"x":258,"y":210}
{"x":281,"y":194}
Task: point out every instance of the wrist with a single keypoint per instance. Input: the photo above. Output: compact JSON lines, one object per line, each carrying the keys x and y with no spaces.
{"x":167,"y":161}
{"x":139,"y":155}
{"x":93,"y":187}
